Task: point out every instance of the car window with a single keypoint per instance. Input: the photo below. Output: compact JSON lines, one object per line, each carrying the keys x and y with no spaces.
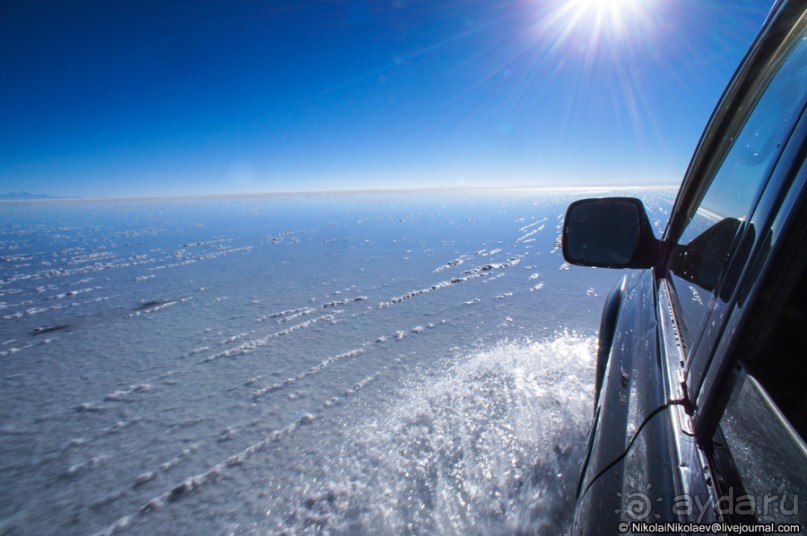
{"x":768,"y":457}
{"x":760,"y":442}
{"x":717,"y":231}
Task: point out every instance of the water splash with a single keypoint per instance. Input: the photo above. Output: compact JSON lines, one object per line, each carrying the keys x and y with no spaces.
{"x":491,"y":446}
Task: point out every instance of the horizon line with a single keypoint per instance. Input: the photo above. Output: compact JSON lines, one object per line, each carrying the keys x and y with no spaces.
{"x":357,"y":191}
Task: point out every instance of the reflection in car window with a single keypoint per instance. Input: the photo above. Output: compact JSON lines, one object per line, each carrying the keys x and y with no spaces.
{"x":711,"y":237}
{"x":764,"y":425}
{"x":768,"y":455}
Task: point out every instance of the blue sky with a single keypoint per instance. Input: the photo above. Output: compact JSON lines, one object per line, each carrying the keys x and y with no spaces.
{"x":121,"y":98}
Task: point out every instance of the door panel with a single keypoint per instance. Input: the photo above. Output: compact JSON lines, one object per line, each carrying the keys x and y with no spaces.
{"x":633,"y":389}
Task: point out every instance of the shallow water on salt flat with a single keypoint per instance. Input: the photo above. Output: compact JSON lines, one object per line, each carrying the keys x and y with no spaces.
{"x":303,"y":364}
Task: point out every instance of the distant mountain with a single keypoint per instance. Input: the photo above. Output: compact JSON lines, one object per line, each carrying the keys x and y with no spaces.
{"x":25,"y":195}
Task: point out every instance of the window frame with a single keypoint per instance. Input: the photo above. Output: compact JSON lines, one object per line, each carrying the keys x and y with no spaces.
{"x":774,"y":274}
{"x":722,"y":373}
{"x":780,"y":207}
{"x":729,"y":115}
{"x":760,"y":67}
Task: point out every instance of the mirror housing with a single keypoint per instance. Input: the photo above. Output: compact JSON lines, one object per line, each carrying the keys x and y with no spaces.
{"x":610,"y":232}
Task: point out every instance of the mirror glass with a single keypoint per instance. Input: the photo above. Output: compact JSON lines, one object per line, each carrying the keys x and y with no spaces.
{"x":602,"y":232}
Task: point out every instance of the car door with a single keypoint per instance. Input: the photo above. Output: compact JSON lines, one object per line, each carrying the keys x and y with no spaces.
{"x":731,"y":275}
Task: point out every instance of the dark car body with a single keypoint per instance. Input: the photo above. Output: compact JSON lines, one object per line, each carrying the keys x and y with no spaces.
{"x":701,"y":393}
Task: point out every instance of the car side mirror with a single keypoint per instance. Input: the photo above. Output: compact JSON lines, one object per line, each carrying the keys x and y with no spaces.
{"x":611,"y":232}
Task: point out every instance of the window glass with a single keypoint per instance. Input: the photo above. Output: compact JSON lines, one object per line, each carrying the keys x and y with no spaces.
{"x":769,"y":457}
{"x":710,"y":238}
{"x":764,"y":425}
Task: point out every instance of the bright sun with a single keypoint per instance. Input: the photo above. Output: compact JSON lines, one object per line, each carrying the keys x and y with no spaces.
{"x":607,"y":14}
{"x":611,"y":5}
{"x":598,"y":20}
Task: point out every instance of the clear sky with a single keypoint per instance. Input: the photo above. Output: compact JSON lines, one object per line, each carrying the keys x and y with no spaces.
{"x":161,"y":97}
